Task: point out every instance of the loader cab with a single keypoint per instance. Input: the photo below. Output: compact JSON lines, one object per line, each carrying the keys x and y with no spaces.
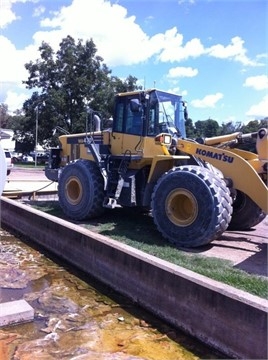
{"x":148,"y":113}
{"x":128,"y":116}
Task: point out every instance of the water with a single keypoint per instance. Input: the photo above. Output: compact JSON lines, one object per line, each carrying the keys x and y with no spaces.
{"x":78,"y":318}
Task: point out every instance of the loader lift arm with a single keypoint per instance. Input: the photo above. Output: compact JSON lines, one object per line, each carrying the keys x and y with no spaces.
{"x":234,"y":167}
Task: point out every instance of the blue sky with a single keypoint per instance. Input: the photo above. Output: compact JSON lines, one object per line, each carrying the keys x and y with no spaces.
{"x":212,"y":52}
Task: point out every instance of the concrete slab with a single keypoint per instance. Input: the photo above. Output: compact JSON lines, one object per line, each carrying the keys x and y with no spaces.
{"x":14,"y":312}
{"x":28,"y":181}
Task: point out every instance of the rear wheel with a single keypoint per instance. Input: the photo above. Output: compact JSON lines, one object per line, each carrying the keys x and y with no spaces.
{"x":246,"y":213}
{"x":81,"y":190}
{"x":191,"y":206}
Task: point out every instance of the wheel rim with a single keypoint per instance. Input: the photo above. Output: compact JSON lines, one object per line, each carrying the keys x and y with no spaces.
{"x":73,"y":190}
{"x":181,"y":207}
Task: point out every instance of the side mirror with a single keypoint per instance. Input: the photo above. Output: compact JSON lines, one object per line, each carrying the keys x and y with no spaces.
{"x":135,"y":105}
{"x":185,"y":111}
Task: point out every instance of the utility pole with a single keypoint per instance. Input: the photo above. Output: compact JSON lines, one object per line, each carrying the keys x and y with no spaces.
{"x":36,"y":135}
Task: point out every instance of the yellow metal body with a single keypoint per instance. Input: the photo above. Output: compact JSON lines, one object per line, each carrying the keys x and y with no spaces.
{"x":158,"y":157}
{"x":242,"y":167}
{"x":221,"y":139}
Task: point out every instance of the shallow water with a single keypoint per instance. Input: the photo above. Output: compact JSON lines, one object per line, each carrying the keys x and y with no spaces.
{"x":78,"y":318}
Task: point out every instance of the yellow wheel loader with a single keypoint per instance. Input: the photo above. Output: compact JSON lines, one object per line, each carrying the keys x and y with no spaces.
{"x":194,"y":189}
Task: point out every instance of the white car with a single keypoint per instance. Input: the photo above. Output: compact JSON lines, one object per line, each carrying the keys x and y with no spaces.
{"x":27,"y":158}
{"x":9,"y":162}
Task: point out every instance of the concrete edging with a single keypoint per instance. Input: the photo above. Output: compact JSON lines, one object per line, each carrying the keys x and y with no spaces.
{"x":14,"y":312}
{"x":219,"y":315}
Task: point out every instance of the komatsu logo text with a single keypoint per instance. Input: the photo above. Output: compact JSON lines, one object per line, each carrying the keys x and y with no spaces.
{"x":213,"y":155}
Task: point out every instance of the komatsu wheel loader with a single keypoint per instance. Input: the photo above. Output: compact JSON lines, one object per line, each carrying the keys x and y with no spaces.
{"x":195,"y":190}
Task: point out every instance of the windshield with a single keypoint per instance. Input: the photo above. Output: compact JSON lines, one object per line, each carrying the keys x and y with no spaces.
{"x":166,"y":114}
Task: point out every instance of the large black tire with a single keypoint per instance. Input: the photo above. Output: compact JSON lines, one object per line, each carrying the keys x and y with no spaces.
{"x":191,"y":206}
{"x":246,"y":213}
{"x":81,"y":190}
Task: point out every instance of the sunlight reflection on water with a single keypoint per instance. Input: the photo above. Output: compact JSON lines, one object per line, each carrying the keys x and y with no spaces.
{"x":78,"y":318}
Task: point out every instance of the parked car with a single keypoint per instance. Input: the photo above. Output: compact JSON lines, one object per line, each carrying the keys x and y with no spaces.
{"x":41,"y":157}
{"x":27,"y":158}
{"x":9,"y":162}
{"x":15,"y":157}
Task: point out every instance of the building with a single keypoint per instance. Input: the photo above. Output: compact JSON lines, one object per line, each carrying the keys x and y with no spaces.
{"x":6,"y":138}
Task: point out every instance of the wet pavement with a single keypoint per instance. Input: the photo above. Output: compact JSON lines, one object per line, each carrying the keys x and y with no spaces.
{"x":78,"y":318}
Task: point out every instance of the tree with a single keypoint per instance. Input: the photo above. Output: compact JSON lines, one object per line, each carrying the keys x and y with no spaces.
{"x":70,"y":81}
{"x":4,"y":117}
{"x":207,"y":128}
{"x":230,"y":128}
{"x":23,"y":135}
{"x":252,"y":126}
{"x":190,"y":129}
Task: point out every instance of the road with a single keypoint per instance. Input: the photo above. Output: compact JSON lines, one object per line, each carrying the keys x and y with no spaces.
{"x":28,"y":180}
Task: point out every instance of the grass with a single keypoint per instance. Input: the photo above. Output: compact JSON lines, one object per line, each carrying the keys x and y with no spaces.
{"x":29,"y":165}
{"x":118,"y":224}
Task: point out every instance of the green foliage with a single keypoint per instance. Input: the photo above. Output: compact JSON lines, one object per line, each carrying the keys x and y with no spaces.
{"x":254,"y":125}
{"x":70,"y":81}
{"x":190,"y":129}
{"x":210,"y":128}
{"x":207,"y":128}
{"x":230,"y":127}
{"x":4,"y":116}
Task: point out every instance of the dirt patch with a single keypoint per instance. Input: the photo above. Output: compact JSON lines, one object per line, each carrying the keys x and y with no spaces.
{"x":248,"y":250}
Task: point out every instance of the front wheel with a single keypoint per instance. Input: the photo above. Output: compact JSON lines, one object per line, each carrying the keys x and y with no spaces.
{"x":81,"y":190}
{"x":191,"y":206}
{"x":246,"y":213}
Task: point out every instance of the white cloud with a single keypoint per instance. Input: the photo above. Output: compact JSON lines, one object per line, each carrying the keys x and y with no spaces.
{"x":209,"y":101}
{"x":177,"y":90}
{"x":15,"y":100}
{"x":186,"y":1}
{"x":7,"y":15}
{"x":171,"y":47}
{"x":181,"y":71}
{"x":12,"y":61}
{"x":134,"y":47}
{"x":121,"y":42}
{"x":259,"y":82}
{"x":235,"y":51}
{"x":263,"y":56}
{"x":260,"y":110}
{"x":13,"y":72}
{"x":118,"y":38}
{"x":39,"y":10}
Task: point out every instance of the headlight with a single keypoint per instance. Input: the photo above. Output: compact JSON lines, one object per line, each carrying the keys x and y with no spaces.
{"x":164,"y":139}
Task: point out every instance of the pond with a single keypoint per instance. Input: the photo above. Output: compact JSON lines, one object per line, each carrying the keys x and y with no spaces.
{"x":78,"y":318}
